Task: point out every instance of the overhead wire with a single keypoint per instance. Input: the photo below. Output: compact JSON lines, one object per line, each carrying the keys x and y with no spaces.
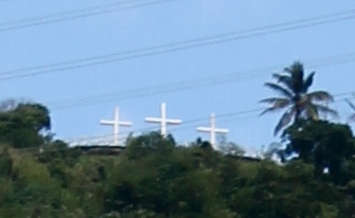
{"x":225,"y":115}
{"x":195,"y":83}
{"x":176,"y":46}
{"x":255,"y":110}
{"x":181,"y":128}
{"x":346,"y":18}
{"x":233,"y":114}
{"x":228,"y":115}
{"x":76,"y":14}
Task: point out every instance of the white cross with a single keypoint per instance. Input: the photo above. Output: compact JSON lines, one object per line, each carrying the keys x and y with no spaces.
{"x":163,"y":120}
{"x":116,"y":123}
{"x":212,"y":130}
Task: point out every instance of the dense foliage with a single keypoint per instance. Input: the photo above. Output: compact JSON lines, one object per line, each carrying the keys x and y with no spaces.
{"x":154,"y":178}
{"x":23,"y":124}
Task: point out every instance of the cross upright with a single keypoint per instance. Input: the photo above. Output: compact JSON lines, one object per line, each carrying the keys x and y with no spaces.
{"x":212,"y":130}
{"x":116,"y":123}
{"x":163,"y":121}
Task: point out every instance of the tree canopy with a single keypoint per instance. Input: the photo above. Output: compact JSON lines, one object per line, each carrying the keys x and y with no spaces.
{"x":22,"y":123}
{"x":155,"y":178}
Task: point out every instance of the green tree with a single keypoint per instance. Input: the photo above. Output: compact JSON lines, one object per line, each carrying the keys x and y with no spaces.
{"x":293,"y":86}
{"x":229,"y":148}
{"x":327,"y":145}
{"x":34,"y":116}
{"x":24,"y":124}
{"x":6,"y":163}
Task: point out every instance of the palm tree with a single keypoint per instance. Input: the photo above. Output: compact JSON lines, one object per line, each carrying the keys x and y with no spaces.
{"x":293,"y":87}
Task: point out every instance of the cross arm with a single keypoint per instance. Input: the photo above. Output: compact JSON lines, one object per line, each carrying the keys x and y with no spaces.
{"x":107,"y":122}
{"x":222,"y":131}
{"x":173,"y":121}
{"x":152,"y":119}
{"x":125,"y":123}
{"x":204,"y":129}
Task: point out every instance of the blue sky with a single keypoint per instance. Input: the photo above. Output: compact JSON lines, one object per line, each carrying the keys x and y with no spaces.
{"x":175,"y":21}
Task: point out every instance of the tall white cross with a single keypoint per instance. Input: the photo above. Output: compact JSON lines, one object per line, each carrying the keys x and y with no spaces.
{"x":116,"y":123}
{"x":212,"y":130}
{"x":163,"y":120}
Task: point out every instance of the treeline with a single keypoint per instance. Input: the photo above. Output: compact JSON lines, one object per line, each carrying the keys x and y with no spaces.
{"x":154,"y":178}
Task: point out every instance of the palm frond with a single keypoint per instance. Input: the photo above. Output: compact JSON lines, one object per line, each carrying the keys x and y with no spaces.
{"x":278,"y":88}
{"x":277,"y":102}
{"x":320,"y":96}
{"x":350,"y":104}
{"x":311,"y":111}
{"x":285,"y":119}
{"x":284,"y":79}
{"x":296,"y":70}
{"x":269,"y":110}
{"x":296,"y":67}
{"x":352,"y":118}
{"x":308,"y":82}
{"x":326,"y":110}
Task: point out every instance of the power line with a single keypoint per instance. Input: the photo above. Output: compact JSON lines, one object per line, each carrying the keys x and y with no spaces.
{"x":225,"y":115}
{"x":233,"y":114}
{"x":76,"y":14}
{"x":196,"y":83}
{"x":177,"y":46}
{"x":173,"y":129}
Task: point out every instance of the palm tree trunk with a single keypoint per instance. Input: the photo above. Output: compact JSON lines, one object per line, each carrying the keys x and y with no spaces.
{"x":298,"y":108}
{"x":297,"y":115}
